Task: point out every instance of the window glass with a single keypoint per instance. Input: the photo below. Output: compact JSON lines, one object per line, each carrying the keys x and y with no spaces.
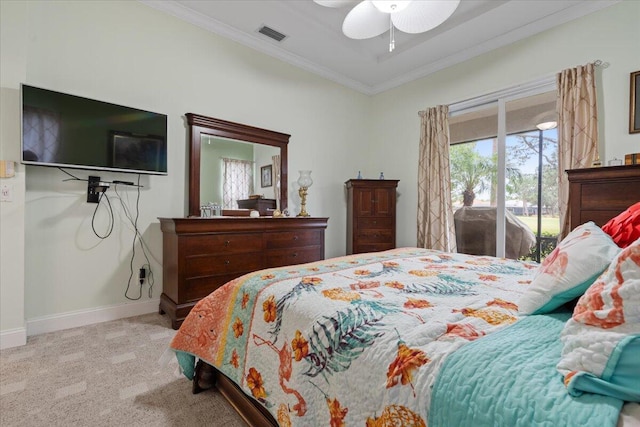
{"x":530,"y":176}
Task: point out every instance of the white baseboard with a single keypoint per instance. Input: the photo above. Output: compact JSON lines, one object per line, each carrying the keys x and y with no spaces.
{"x":74,"y":319}
{"x":13,"y":338}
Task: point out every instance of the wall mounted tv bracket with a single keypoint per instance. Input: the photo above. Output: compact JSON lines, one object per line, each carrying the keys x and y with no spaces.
{"x":94,"y":189}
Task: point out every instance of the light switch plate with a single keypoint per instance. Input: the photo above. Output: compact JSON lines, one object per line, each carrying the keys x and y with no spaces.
{"x":6,"y":193}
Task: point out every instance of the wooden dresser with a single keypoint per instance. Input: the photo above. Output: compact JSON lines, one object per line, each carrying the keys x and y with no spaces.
{"x":202,"y":254}
{"x":617,"y":186}
{"x":371,"y":215}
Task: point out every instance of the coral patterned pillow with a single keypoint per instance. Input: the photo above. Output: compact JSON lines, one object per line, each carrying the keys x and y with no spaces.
{"x":569,"y":270}
{"x":624,"y":229}
{"x":601,"y":341}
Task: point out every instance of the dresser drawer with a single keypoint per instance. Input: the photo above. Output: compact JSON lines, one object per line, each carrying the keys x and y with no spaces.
{"x":282,"y":257}
{"x":205,"y":265}
{"x":202,"y":254}
{"x":375,"y":222}
{"x":199,"y":287}
{"x":375,"y":236}
{"x":222,"y":243}
{"x":293,"y":239}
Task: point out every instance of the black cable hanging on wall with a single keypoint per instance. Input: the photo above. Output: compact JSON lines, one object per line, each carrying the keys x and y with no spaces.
{"x":137,"y":236}
{"x":146,"y":272}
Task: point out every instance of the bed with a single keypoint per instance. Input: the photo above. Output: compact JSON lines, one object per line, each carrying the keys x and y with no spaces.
{"x":417,"y":337}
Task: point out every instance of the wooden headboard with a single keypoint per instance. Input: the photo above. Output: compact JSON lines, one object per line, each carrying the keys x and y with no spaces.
{"x":599,"y":194}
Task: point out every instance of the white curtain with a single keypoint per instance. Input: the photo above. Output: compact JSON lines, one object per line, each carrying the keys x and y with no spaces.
{"x":276,"y":177}
{"x":577,"y":130}
{"x":40,"y":130}
{"x":238,"y":181}
{"x":436,"y":229}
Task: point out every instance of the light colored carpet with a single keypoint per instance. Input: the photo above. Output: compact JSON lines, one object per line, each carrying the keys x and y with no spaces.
{"x":107,"y":374}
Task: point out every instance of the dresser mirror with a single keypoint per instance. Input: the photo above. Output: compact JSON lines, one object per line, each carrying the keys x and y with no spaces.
{"x":208,"y":131}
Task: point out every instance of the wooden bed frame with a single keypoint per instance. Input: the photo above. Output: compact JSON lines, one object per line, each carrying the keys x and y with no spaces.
{"x":206,"y":377}
{"x":599,"y":194}
{"x":595,"y":194}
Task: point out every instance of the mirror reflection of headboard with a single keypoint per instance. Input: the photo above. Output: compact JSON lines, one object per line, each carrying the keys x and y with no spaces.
{"x":203,"y":125}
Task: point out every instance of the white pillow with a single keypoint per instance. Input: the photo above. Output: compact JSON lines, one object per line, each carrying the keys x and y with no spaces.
{"x":567,"y":272}
{"x":601,"y":342}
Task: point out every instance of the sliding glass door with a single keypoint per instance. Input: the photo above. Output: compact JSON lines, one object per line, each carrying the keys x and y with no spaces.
{"x":504,"y":173}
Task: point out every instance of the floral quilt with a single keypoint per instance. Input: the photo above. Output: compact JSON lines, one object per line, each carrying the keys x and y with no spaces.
{"x":356,"y":340}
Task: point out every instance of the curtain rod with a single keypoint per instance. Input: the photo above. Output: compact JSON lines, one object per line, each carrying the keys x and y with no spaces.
{"x":539,"y":85}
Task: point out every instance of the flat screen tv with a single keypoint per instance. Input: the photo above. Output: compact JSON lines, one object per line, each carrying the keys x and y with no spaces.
{"x":65,"y":130}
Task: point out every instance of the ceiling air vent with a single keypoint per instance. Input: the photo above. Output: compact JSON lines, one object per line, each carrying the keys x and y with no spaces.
{"x":271,"y":33}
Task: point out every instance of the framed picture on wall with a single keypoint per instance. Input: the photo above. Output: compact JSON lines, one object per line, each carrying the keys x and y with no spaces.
{"x":265,"y":176}
{"x":634,"y":104}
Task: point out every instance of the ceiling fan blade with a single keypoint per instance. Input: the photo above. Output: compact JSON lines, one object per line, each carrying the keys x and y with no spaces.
{"x":423,"y":15}
{"x":365,"y":21}
{"x":336,"y":3}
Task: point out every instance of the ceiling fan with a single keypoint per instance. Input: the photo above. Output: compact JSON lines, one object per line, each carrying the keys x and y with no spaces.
{"x":370,"y":18}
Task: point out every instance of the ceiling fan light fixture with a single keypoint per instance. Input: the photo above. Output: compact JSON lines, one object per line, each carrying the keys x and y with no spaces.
{"x":390,"y":6}
{"x":371,"y":18}
{"x":364,"y":21}
{"x":422,"y":16}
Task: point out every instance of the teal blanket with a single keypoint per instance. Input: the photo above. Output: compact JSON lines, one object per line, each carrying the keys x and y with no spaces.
{"x":509,"y":379}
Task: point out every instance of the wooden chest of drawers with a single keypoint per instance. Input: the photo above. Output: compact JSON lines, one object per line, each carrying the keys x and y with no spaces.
{"x":599,"y":194}
{"x":371,"y":215}
{"x":202,"y":254}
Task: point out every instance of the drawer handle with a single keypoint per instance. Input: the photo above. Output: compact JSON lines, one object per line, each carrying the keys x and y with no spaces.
{"x":227,"y":243}
{"x":375,"y":222}
{"x":295,"y":254}
{"x":295,"y":237}
{"x":226,"y":262}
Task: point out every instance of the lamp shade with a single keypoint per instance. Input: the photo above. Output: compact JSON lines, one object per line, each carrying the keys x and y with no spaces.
{"x":305,"y":179}
{"x":547,"y":125}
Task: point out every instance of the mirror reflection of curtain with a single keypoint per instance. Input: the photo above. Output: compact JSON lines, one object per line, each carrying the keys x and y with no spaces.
{"x":276,"y":179}
{"x":40,"y":130}
{"x":237,"y":181}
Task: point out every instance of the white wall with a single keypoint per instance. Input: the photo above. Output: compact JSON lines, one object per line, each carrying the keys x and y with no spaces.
{"x":263,"y":156}
{"x":611,"y":35}
{"x":127,"y":53}
{"x":130,"y":54}
{"x":12,"y":221}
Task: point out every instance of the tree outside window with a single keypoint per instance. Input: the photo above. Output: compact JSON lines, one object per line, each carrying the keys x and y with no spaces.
{"x":474,"y":176}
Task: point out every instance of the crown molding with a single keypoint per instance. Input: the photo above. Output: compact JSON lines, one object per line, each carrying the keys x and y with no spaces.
{"x":578,"y":10}
{"x":567,"y":15}
{"x":175,"y":9}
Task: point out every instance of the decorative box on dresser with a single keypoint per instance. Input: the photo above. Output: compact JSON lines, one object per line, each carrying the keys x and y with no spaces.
{"x":264,"y":206}
{"x":371,"y":215}
{"x":619,"y":186}
{"x":202,"y":254}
